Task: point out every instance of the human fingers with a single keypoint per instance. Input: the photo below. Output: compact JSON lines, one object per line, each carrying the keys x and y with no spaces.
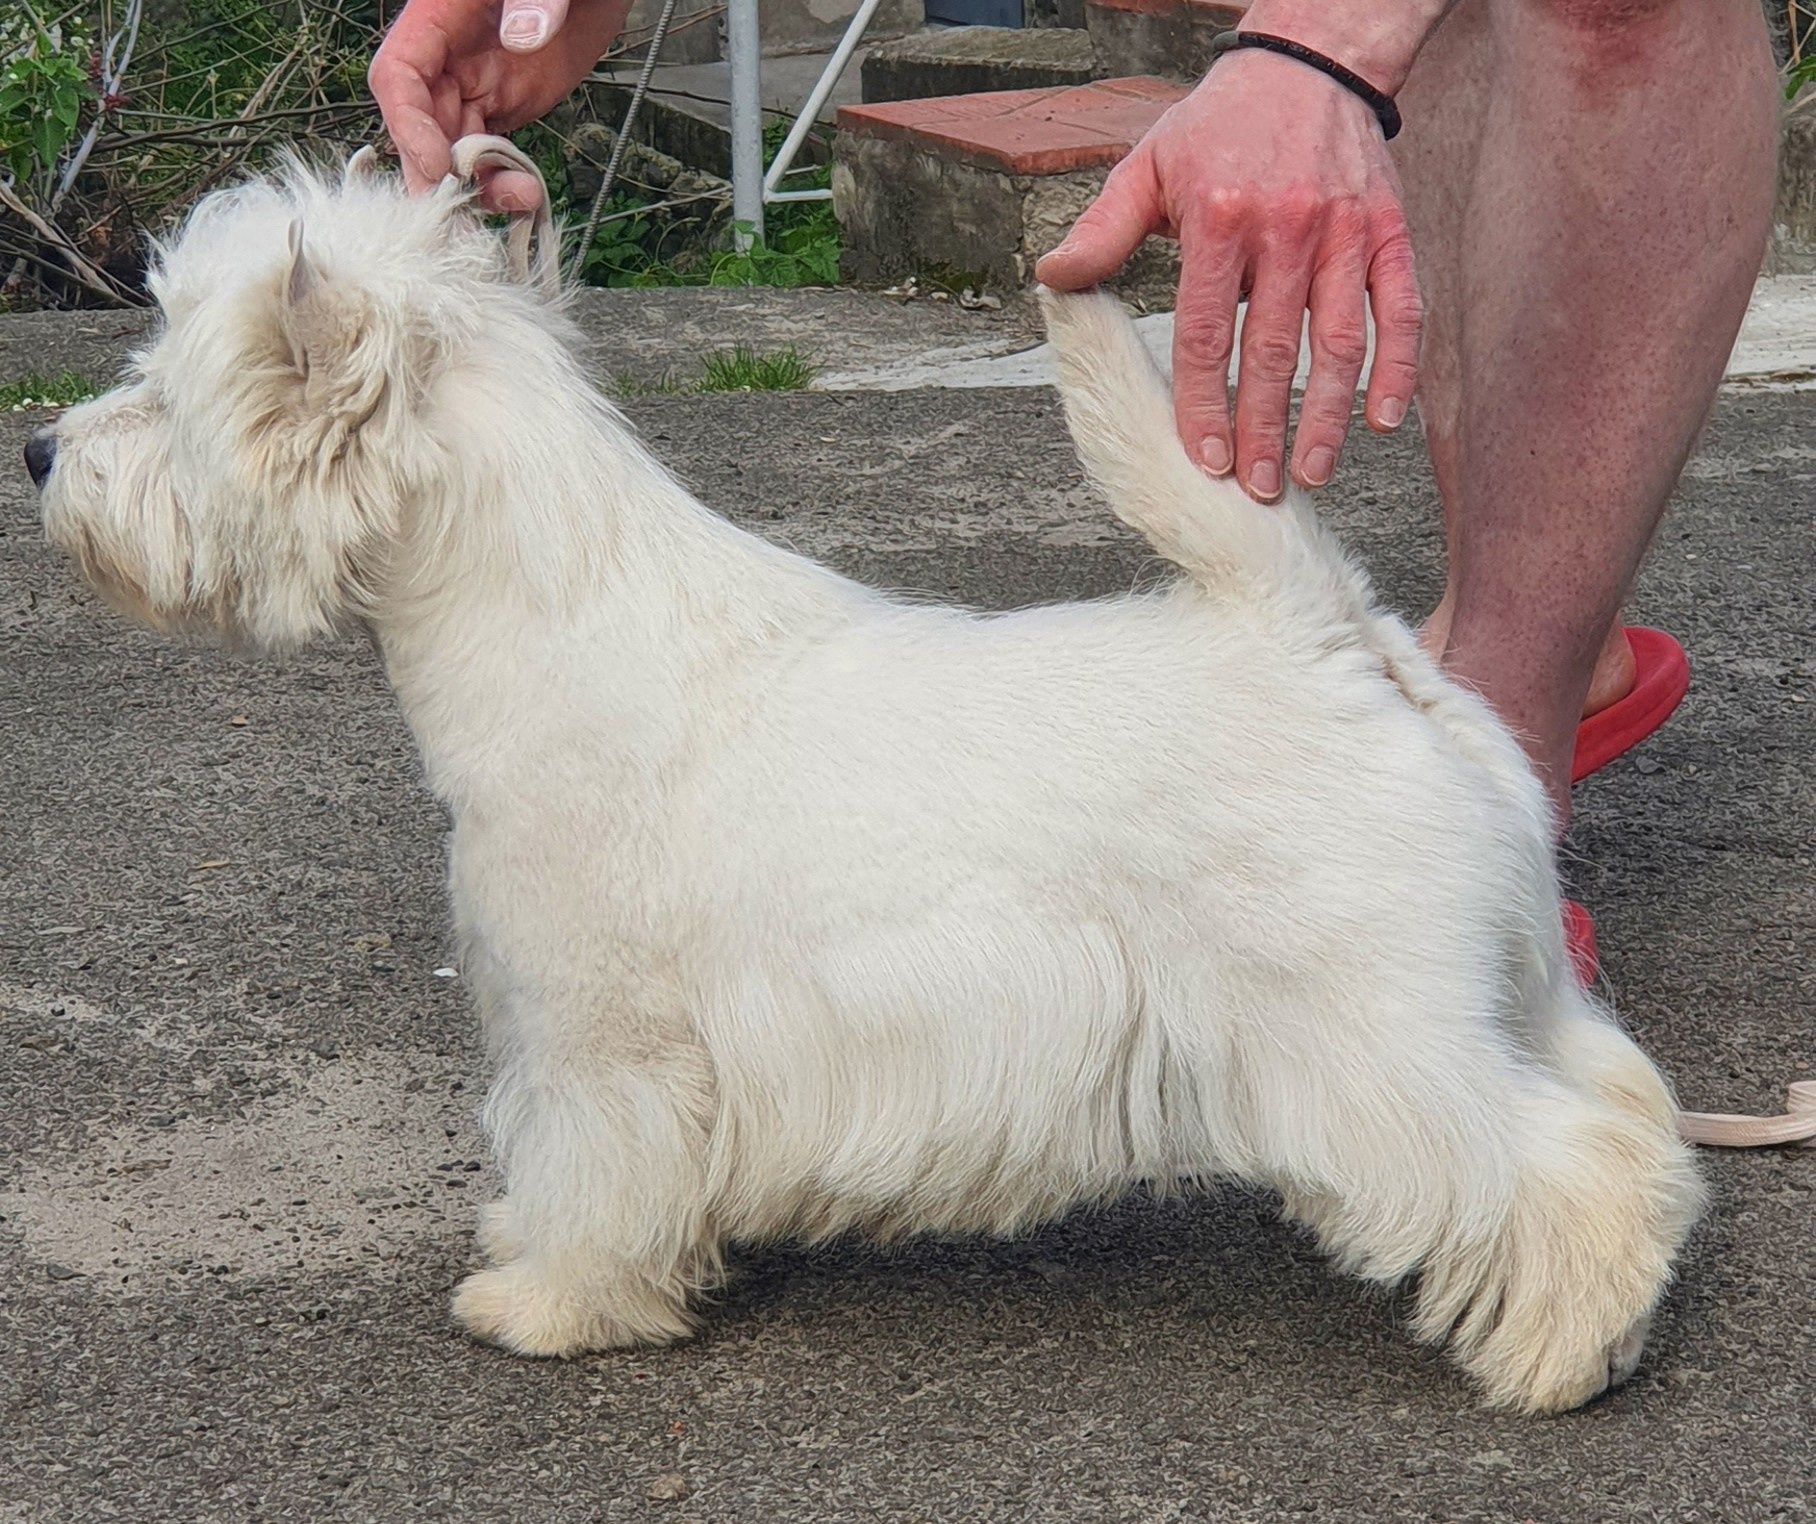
{"x":1204,"y":332}
{"x":1272,"y":328}
{"x":525,"y":25}
{"x":399,"y":79}
{"x":1339,"y":346}
{"x":1109,"y":230}
{"x":1393,"y":294}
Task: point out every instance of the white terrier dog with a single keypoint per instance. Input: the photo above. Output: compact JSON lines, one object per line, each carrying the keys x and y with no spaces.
{"x":793,"y":909}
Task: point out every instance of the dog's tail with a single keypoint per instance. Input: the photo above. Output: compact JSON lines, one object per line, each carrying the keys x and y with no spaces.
{"x":1121,"y":418}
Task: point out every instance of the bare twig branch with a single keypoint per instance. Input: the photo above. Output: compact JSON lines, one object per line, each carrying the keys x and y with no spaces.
{"x":91,"y":276}
{"x":197,"y":130}
{"x":116,"y":61}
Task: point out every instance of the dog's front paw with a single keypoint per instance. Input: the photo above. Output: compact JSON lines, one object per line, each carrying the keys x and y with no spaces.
{"x":522,"y":1310}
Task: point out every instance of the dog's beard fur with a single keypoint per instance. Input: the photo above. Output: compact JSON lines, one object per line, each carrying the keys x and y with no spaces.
{"x":792,"y":909}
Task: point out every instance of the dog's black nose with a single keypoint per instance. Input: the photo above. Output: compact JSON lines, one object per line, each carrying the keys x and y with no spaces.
{"x":40,"y":455}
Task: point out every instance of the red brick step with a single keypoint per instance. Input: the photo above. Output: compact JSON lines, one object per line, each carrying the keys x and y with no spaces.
{"x":1024,"y":132}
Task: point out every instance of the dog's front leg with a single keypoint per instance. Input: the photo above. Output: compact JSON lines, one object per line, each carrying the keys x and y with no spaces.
{"x":603,"y":1233}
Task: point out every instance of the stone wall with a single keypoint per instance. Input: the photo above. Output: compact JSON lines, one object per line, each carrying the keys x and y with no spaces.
{"x":906,"y":212}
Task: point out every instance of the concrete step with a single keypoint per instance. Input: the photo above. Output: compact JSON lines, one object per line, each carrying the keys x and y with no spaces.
{"x":1168,"y":38}
{"x":687,"y":112}
{"x":967,"y":60}
{"x":982,"y":185}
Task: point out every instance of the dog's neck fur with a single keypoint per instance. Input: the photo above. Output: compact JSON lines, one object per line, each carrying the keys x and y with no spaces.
{"x":564,"y":554}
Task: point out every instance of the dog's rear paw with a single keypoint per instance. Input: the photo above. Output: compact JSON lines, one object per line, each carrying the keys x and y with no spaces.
{"x":1623,"y":1355}
{"x":1552,"y":1381}
{"x":1553,"y":1310}
{"x":529,"y":1313}
{"x":496,"y":1233}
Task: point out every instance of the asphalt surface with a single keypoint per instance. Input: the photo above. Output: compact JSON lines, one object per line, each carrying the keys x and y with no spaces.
{"x":238,"y":1084}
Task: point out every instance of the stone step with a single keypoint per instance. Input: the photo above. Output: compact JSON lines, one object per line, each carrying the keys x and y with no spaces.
{"x":966,"y":60}
{"x":1169,"y":38}
{"x":981,"y":185}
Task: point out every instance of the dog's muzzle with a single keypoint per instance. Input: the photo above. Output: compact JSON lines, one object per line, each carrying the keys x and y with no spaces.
{"x":40,"y":456}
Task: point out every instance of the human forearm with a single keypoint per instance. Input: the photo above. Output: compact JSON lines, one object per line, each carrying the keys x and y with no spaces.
{"x":1378,"y":39}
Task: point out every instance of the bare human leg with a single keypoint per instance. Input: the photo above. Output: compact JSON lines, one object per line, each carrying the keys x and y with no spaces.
{"x":1589,"y":185}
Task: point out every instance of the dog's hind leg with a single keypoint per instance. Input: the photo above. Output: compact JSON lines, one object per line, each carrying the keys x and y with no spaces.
{"x":1552,"y":1307}
{"x":1539,"y":1196}
{"x":602,"y":1235}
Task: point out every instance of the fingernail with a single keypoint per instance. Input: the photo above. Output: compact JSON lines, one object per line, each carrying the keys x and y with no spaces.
{"x":525,"y":29}
{"x":1216,"y":457}
{"x":1264,"y":480}
{"x":1319,"y":465}
{"x":1391,"y":411}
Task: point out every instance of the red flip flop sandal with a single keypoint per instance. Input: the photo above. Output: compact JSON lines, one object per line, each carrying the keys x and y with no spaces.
{"x":1579,"y":942}
{"x":1661,"y":679}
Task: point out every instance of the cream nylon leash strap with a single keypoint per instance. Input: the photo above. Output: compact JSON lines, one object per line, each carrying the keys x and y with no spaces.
{"x":1718,"y":1129}
{"x":532,"y":246}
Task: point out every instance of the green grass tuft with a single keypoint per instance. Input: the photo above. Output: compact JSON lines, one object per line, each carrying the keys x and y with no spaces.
{"x":745,"y":370}
{"x":33,"y":390}
{"x":742,"y":369}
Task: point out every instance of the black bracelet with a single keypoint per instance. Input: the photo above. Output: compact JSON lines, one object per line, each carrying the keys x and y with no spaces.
{"x":1377,"y":101}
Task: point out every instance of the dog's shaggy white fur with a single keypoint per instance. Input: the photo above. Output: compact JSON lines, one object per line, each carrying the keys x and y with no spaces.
{"x":792,"y":908}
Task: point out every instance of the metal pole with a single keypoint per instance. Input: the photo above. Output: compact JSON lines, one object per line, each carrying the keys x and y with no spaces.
{"x":744,"y":53}
{"x":816,"y":98}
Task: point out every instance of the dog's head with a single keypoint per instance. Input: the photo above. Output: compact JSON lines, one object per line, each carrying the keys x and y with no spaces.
{"x":312,"y":374}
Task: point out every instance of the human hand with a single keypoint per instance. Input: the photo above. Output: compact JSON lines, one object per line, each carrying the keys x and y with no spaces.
{"x":1277,"y":184}
{"x":452,"y":67}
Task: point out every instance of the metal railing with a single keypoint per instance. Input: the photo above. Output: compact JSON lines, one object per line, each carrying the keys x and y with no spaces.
{"x":753,"y":187}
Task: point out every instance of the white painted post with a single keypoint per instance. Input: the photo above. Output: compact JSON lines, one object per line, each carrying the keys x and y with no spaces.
{"x":810,"y":110}
{"x":744,"y":53}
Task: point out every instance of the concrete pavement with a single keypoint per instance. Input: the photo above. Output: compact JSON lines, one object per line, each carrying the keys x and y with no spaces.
{"x":238,"y":1159}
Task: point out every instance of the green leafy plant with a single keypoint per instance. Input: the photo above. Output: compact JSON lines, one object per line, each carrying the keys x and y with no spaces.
{"x":112,"y":126}
{"x":34,"y":390}
{"x":635,"y":244}
{"x":629,"y":247}
{"x":115,"y":116}
{"x":1799,"y":43}
{"x":43,"y":88}
{"x":1798,"y":75}
{"x":805,"y":253}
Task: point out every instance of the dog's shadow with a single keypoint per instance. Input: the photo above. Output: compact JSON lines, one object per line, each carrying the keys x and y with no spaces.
{"x":1211,"y":1265}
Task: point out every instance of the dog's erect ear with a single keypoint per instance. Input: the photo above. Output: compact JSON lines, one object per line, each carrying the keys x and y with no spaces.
{"x":362,"y":166}
{"x":329,"y":430}
{"x":303,"y":316}
{"x":351,"y":354}
{"x":302,"y":274}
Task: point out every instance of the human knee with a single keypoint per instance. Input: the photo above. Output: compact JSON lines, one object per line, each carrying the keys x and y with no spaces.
{"x":1632,"y":27}
{"x":1598,"y":18}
